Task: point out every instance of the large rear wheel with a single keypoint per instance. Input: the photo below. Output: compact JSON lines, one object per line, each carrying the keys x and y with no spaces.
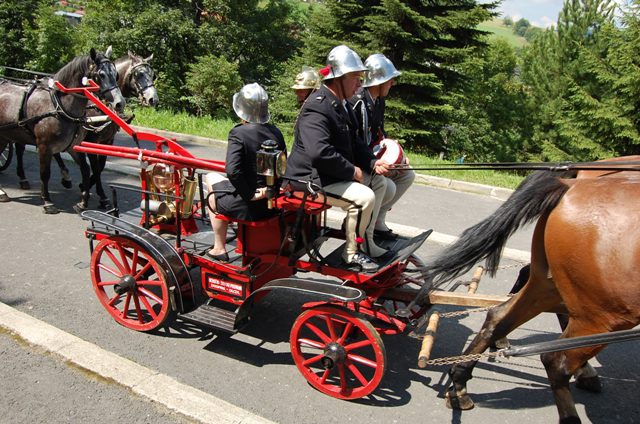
{"x":6,"y":153}
{"x":338,"y":353}
{"x":130,"y":284}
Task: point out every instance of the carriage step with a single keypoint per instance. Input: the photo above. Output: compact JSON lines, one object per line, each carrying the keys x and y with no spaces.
{"x":213,"y":317}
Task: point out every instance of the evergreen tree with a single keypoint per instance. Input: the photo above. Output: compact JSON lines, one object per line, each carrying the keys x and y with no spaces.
{"x":580,"y":80}
{"x":427,"y":41}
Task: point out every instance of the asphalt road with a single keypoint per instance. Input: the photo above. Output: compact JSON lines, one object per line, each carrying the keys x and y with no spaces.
{"x":44,"y":273}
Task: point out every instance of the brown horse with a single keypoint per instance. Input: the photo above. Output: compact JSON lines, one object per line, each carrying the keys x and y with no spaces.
{"x":584,"y":256}
{"x":51,"y":120}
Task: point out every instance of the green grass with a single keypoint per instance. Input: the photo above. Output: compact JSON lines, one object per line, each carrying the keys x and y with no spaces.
{"x":219,"y":129}
{"x":498,"y":29}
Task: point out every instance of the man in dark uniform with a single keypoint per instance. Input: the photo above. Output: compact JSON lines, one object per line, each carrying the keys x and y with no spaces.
{"x":328,"y":151}
{"x":243,"y":194}
{"x":369,"y":106}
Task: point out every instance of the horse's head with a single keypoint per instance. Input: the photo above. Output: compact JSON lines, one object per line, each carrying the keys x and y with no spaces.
{"x":140,"y":77}
{"x":104,"y":73}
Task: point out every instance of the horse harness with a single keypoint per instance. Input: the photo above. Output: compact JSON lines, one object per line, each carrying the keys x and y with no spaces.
{"x":28,"y":124}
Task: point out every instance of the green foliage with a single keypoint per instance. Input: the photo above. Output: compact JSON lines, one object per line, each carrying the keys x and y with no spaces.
{"x":51,"y":42}
{"x":17,"y":18}
{"x":490,"y":119}
{"x":581,"y":83}
{"x":507,"y":21}
{"x":212,"y":80}
{"x":521,"y":27}
{"x":427,"y":41}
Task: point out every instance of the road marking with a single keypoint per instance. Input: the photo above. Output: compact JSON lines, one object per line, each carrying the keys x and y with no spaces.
{"x":143,"y":381}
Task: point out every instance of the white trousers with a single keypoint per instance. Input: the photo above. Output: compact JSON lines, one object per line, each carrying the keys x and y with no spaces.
{"x":362,"y":204}
{"x":398,"y":183}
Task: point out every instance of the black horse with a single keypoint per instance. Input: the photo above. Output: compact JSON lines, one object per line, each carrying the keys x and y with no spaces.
{"x":135,"y":79}
{"x":53,"y":121}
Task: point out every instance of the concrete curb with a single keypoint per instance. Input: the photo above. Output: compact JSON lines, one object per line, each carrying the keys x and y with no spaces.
{"x":143,"y":381}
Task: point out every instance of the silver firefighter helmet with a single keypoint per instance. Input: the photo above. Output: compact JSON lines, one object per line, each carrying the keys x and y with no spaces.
{"x":342,"y":60}
{"x":379,"y":70}
{"x":251,"y":104}
{"x":308,"y":78}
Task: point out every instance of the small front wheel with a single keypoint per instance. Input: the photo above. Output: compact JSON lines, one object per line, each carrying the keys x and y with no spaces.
{"x":338,"y":353}
{"x":130,"y":284}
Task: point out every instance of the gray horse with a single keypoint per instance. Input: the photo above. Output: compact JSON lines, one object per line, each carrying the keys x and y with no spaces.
{"x":41,"y":115}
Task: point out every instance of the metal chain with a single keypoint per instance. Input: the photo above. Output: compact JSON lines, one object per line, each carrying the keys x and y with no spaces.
{"x":452,"y":360}
{"x":464,"y":312}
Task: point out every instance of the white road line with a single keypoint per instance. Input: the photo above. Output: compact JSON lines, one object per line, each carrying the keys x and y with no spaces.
{"x":143,"y":381}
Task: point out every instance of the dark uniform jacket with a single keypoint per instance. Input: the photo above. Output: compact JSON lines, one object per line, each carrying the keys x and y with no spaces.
{"x":362,"y":103}
{"x":327,"y":147}
{"x":233,"y":197}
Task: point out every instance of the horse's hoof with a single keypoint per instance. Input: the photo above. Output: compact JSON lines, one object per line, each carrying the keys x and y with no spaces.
{"x":461,"y":402}
{"x":50,"y":209}
{"x":79,"y":208}
{"x":66,"y":183}
{"x":24,"y":185}
{"x":590,"y":384}
{"x":502,"y":343}
{"x":104,"y":204}
{"x":4,"y":198}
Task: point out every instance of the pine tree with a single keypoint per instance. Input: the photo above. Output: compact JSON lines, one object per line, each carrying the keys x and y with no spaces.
{"x":583,"y":79}
{"x":426,"y":41}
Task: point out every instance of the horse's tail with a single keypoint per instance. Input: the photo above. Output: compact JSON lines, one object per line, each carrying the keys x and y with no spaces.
{"x":538,"y":194}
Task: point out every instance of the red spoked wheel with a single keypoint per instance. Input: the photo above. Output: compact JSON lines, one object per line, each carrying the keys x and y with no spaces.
{"x":130,"y":284}
{"x":339,"y":354}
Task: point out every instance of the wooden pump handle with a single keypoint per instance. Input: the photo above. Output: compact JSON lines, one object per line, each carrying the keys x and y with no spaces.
{"x":429,"y":340}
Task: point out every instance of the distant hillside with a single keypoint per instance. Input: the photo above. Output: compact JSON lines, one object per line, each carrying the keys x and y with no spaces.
{"x":498,"y":29}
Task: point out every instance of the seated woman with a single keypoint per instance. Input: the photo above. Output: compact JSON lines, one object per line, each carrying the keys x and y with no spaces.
{"x":242,"y":195}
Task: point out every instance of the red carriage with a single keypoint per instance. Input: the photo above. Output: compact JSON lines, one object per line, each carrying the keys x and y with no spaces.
{"x":142,"y":259}
{"x":142,"y":262}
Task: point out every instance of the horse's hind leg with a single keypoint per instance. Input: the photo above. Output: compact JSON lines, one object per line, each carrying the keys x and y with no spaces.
{"x":66,"y":178}
{"x":500,"y":321}
{"x":45,"y":173}
{"x":23,"y":182}
{"x":560,"y":366}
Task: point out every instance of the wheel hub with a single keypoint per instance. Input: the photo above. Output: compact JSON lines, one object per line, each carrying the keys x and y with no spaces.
{"x":334,"y":354}
{"x":126,"y":284}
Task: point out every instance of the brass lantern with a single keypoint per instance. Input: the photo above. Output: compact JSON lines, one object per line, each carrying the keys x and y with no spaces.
{"x":271,"y":162}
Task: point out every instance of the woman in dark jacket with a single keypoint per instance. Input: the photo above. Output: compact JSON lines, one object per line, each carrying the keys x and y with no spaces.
{"x":243,"y":195}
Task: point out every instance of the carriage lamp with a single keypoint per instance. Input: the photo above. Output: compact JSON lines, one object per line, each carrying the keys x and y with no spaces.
{"x":271,"y":163}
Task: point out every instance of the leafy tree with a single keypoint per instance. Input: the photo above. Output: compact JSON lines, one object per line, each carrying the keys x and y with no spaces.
{"x":17,"y":18}
{"x":51,"y":42}
{"x":521,"y":26}
{"x":579,"y":75}
{"x":507,"y":21}
{"x":491,"y":119}
{"x":212,"y":80}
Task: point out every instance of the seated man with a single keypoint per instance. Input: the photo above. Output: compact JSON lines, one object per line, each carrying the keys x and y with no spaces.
{"x":328,"y":151}
{"x":243,"y":195}
{"x":369,"y":106}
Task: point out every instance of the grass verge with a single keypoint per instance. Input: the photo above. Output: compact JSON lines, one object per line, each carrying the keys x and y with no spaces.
{"x":219,"y":129}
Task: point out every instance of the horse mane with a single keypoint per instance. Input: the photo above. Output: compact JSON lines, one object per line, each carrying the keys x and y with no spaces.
{"x":68,"y":75}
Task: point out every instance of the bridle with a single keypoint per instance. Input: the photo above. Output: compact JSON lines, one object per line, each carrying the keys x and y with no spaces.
{"x":131,"y":79}
{"x":97,"y":72}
